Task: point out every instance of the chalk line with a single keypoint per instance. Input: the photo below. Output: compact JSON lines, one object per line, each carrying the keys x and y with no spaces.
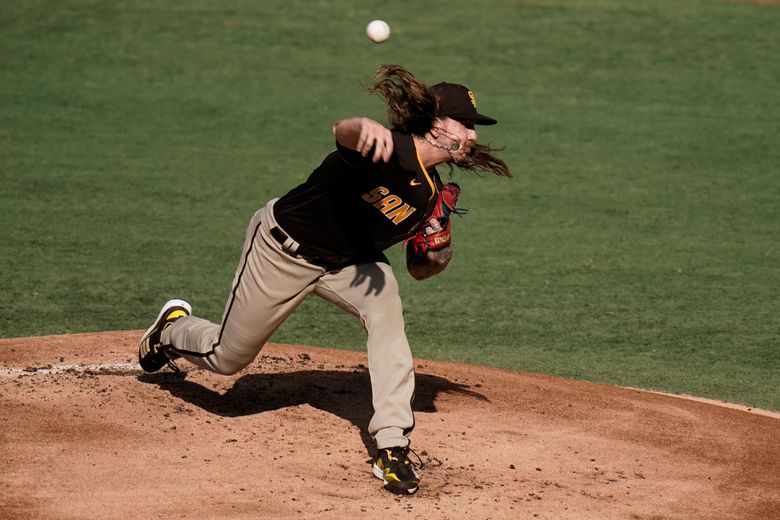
{"x":101,"y":369}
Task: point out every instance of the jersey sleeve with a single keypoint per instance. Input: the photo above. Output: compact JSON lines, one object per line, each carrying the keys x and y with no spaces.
{"x":349,"y":156}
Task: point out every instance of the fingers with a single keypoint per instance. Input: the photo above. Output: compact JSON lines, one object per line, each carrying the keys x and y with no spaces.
{"x":373,"y":135}
{"x":383,"y":147}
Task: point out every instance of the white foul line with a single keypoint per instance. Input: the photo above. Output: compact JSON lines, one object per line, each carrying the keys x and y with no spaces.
{"x":108,"y":368}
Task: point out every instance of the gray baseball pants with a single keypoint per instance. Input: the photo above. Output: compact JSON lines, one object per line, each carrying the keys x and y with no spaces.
{"x":270,"y":282}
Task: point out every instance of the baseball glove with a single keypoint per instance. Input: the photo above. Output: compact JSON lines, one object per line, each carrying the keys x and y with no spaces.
{"x":435,"y":233}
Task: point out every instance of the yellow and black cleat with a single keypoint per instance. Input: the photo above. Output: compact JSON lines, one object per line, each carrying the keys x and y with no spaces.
{"x":393,"y":466}
{"x":151,"y":352}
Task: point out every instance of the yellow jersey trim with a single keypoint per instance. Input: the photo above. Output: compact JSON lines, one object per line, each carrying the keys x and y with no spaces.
{"x":427,"y":177}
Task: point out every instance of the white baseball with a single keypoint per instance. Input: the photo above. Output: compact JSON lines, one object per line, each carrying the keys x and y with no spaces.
{"x":378,"y":31}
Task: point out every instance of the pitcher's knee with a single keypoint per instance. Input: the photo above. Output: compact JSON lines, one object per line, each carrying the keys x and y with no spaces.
{"x":226,"y":363}
{"x":383,"y":322}
{"x":227,"y":370}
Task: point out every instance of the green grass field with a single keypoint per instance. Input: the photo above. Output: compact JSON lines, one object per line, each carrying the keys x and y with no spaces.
{"x":638,"y":244}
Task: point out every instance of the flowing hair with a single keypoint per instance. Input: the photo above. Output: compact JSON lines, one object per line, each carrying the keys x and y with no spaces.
{"x":412,"y":108}
{"x":481,"y":159}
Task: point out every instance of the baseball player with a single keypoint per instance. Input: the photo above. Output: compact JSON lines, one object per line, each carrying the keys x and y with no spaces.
{"x":327,"y":237}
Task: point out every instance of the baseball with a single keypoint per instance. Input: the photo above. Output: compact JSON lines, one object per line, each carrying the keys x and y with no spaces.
{"x":378,"y":31}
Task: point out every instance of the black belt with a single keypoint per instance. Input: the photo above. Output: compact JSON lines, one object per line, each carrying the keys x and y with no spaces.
{"x":301,"y":252}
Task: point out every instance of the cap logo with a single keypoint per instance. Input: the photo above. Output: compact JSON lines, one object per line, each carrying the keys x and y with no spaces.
{"x":473,"y":101}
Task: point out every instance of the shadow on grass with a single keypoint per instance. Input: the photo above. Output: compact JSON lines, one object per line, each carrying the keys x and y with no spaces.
{"x":344,"y":394}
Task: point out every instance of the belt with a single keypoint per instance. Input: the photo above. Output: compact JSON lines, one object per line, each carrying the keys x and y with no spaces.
{"x":296,"y":250}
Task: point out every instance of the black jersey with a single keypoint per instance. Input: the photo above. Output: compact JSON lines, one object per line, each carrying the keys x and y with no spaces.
{"x":351,"y":209}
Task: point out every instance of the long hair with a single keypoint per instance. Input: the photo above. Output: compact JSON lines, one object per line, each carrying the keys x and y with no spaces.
{"x":412,"y":108}
{"x":481,"y":159}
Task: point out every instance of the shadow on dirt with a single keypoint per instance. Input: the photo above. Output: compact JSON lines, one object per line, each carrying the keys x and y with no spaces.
{"x":342,"y":393}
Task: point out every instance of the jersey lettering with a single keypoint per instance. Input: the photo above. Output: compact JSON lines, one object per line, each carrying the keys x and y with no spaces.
{"x":391,"y":206}
{"x":400,"y":214}
{"x":388,"y":203}
{"x":375,"y":194}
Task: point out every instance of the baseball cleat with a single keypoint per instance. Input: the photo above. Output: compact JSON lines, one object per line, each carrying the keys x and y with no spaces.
{"x":393,"y":466}
{"x":151,"y":352}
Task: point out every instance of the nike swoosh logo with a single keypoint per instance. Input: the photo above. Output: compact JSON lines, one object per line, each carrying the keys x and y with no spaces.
{"x":414,"y":182}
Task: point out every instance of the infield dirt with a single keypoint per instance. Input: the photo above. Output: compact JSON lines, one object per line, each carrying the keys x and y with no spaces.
{"x":85,"y":434}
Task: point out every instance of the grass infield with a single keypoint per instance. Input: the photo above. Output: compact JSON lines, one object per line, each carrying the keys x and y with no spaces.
{"x":638,"y":244}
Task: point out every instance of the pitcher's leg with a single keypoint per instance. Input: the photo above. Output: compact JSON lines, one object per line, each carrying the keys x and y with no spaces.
{"x":268,"y":286}
{"x":370,"y":291}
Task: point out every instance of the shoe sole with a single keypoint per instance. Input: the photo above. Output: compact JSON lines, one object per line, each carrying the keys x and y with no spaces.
{"x":170,"y":304}
{"x":378,"y":473}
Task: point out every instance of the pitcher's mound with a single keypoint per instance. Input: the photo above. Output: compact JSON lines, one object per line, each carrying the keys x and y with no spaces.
{"x":85,"y":434}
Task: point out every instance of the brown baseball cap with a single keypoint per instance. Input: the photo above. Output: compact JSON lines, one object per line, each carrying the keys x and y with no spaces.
{"x":457,"y":102}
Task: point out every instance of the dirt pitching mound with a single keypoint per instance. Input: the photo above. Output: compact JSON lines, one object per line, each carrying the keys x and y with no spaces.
{"x":84,"y":434}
